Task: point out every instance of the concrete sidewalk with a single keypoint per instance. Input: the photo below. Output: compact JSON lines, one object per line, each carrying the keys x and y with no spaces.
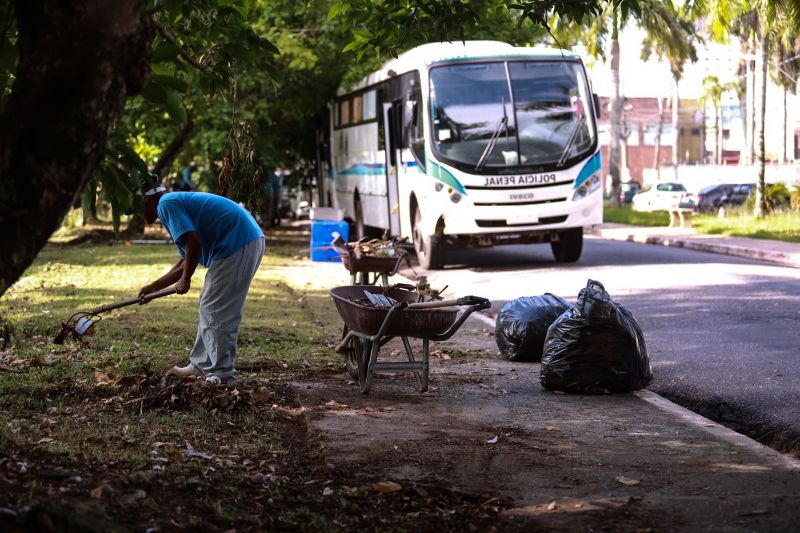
{"x":779,"y":252}
{"x":626,"y":462}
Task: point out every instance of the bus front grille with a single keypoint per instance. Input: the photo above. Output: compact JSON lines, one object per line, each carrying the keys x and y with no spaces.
{"x":532,"y":202}
{"x":504,"y":224}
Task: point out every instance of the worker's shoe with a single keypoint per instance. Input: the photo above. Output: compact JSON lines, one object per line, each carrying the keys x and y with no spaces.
{"x":216,"y":380}
{"x":184,"y":371}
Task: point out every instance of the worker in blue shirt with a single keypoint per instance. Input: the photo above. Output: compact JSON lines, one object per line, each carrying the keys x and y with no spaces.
{"x":222,"y":236}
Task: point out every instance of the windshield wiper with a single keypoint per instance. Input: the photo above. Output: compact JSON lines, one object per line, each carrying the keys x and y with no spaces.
{"x":573,"y":136}
{"x":503,"y":124}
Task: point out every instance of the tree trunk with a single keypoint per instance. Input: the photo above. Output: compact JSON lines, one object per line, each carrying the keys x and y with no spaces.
{"x":659,"y":129}
{"x":747,"y":111}
{"x":78,"y":62}
{"x":718,"y":132}
{"x":168,"y":156}
{"x":761,"y":197}
{"x":752,"y":125}
{"x":676,"y":128}
{"x":785,"y":158}
{"x":89,"y":204}
{"x":616,"y":116}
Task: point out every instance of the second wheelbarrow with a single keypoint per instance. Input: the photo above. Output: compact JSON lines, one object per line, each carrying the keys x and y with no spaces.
{"x":370,"y":326}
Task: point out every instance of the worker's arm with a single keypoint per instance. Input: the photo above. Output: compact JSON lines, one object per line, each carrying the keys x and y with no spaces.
{"x":164,"y":281}
{"x":191,"y":257}
{"x":181,"y":273}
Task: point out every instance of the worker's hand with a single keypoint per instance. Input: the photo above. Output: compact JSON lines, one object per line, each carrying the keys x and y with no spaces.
{"x":182,"y":287}
{"x":144,"y":291}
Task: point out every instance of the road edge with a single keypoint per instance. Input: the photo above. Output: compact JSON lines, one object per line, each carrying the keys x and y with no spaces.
{"x":709,"y":426}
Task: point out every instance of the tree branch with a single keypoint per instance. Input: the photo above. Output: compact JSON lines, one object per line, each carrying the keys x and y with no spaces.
{"x":181,"y":50}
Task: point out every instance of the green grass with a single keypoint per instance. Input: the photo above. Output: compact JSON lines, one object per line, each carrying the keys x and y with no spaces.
{"x":54,"y":415}
{"x":625,"y":215}
{"x":781,"y":226}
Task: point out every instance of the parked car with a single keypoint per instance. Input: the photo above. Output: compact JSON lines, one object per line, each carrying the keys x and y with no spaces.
{"x":628,"y":190}
{"x":711,"y":197}
{"x":661,"y":197}
{"x":740,"y":193}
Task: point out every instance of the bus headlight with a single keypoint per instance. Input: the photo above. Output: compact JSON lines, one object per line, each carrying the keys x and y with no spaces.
{"x":455,"y":197}
{"x":438,"y":186}
{"x":587,"y":187}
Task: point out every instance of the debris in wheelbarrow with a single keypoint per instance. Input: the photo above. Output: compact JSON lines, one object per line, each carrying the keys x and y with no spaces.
{"x":370,"y":327}
{"x":382,"y":258}
{"x":595,"y":347}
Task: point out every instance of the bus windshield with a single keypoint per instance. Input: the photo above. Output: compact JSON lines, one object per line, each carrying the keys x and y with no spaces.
{"x":511,"y":113}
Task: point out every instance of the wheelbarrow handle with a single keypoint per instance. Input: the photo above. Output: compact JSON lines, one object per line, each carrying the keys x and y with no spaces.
{"x":130,"y":301}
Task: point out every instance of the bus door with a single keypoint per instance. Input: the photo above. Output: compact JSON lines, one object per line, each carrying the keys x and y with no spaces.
{"x":401,"y":97}
{"x":392,"y":113}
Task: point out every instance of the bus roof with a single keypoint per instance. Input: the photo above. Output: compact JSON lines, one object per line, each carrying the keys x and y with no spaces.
{"x":426,"y":54}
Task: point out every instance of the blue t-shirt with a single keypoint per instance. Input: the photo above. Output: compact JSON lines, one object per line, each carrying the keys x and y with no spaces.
{"x":222,"y":225}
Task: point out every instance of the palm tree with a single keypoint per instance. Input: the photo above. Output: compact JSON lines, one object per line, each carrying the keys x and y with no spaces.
{"x":652,"y":15}
{"x":773,"y":18}
{"x":672,"y":37}
{"x":712,"y":92}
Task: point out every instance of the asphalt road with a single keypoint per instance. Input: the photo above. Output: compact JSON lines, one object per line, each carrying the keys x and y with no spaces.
{"x":723,"y":333}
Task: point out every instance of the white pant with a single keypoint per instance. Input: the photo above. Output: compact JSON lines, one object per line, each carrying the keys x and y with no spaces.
{"x":221,"y":304}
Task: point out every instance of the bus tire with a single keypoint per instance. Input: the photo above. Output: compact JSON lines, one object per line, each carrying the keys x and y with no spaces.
{"x":569,"y":246}
{"x":430,"y":248}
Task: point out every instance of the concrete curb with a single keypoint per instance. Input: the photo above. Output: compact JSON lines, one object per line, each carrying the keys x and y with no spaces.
{"x":716,"y":245}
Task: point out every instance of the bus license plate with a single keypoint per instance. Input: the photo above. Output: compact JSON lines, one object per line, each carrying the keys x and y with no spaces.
{"x":522,"y":219}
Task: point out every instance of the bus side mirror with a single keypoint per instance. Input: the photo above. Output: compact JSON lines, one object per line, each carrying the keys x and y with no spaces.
{"x":596,"y":101}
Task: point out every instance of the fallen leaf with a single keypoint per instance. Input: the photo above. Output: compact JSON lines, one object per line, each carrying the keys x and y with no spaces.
{"x":552,"y":506}
{"x":327,"y":491}
{"x":97,"y":492}
{"x":628,"y":482}
{"x":552,"y":428}
{"x":493,"y":440}
{"x":261,"y":394}
{"x":384,"y":487}
{"x":44,"y":440}
{"x":133,"y":497}
{"x":102,"y":378}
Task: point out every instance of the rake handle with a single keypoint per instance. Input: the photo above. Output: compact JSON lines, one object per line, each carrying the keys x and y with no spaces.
{"x":466,"y":300}
{"x":131,"y":301}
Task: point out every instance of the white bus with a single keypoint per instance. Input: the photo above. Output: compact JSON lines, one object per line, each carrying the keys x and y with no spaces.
{"x":470,"y":145}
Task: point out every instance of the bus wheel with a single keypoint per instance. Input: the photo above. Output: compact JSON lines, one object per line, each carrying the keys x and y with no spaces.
{"x":357,"y":229}
{"x":568,"y":248}
{"x":429,"y":248}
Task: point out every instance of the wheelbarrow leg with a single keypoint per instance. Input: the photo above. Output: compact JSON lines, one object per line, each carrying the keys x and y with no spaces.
{"x":425,"y":365}
{"x":417,"y":374}
{"x":366,"y":364}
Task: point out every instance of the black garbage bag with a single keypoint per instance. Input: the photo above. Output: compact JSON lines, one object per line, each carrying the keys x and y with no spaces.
{"x":595,"y":347}
{"x":522,"y":324}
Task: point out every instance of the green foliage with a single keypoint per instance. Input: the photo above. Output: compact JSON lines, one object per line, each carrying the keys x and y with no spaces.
{"x":390,"y":26}
{"x":776,"y":197}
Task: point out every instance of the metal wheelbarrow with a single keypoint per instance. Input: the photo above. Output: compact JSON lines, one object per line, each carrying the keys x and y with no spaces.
{"x":362,"y":266}
{"x":369,"y":327}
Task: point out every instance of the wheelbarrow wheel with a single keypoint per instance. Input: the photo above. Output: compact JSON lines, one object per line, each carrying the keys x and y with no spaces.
{"x":350,"y":361}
